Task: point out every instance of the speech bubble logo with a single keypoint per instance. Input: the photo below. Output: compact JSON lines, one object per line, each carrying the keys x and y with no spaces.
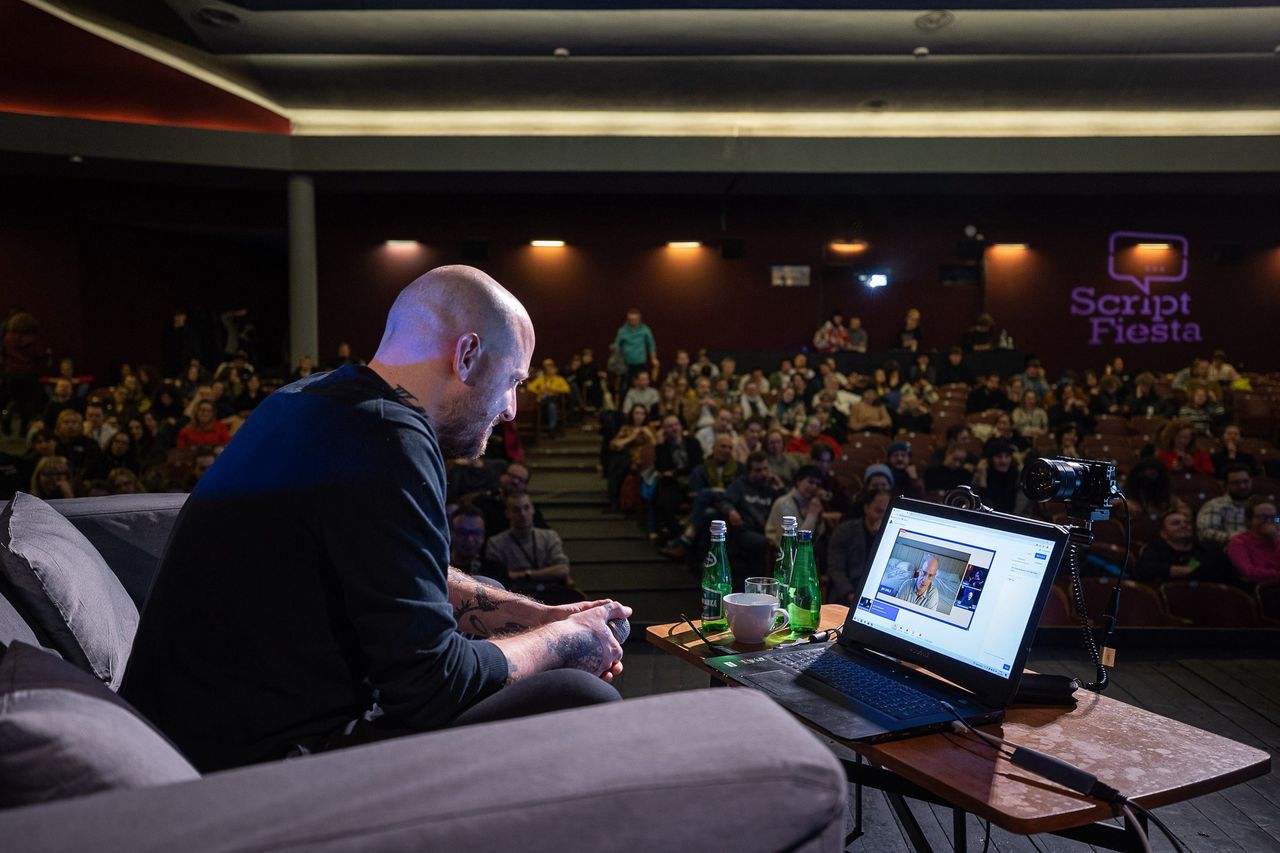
{"x":1129,"y":261}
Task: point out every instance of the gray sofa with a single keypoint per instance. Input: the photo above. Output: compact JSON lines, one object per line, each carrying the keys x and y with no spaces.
{"x":708,"y":769}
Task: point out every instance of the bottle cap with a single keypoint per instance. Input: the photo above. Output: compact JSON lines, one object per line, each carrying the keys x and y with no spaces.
{"x":788,"y":524}
{"x":718,"y":527}
{"x":805,"y":535}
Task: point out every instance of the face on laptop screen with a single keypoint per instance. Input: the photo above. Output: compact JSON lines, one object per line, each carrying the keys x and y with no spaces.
{"x":954,"y":587}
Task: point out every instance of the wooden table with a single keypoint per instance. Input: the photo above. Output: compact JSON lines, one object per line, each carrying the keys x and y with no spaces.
{"x":1152,"y":759}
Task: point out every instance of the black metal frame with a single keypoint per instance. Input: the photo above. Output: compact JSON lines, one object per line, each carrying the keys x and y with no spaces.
{"x":898,"y":789}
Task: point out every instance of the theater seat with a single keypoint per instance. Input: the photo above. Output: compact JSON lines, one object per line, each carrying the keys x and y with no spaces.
{"x":1268,"y":595}
{"x":1210,"y":605}
{"x":1057,"y":610}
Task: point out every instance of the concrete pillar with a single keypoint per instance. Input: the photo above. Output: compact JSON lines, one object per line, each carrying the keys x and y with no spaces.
{"x":304,"y":335}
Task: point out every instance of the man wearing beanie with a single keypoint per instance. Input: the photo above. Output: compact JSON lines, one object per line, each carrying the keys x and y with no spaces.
{"x":906,"y":479}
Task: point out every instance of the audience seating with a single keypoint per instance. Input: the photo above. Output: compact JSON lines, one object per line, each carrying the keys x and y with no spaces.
{"x":1210,"y":605}
{"x":1057,"y":609}
{"x":1268,"y":595}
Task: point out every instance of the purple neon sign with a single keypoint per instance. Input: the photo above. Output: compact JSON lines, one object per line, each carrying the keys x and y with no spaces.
{"x":1143,"y":317}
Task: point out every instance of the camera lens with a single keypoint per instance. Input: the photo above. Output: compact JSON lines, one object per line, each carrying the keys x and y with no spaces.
{"x":1077,"y":480}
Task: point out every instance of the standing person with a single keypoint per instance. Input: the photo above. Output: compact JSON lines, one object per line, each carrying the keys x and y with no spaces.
{"x":635,"y":341}
{"x":306,"y":601}
{"x":833,"y":335}
{"x":910,"y":337}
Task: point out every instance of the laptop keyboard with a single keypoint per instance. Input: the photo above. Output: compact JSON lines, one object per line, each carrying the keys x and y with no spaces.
{"x":861,"y":683}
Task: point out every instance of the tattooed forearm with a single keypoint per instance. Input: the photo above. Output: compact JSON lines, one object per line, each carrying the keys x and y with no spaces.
{"x":485,"y":632}
{"x":481,"y":602}
{"x":578,"y":651}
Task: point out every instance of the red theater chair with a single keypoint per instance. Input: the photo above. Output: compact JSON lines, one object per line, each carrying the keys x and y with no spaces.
{"x":1210,"y":605}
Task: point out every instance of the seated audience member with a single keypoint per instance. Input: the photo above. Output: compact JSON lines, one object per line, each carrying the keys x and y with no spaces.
{"x":956,"y":470}
{"x":704,"y":367}
{"x":1033,"y":379}
{"x":811,"y":435}
{"x":833,"y":335}
{"x":1029,"y":420}
{"x":466,"y":546}
{"x":1144,"y":401}
{"x":96,"y":426}
{"x":167,"y":405}
{"x":722,"y":425}
{"x":121,"y":453}
{"x":249,"y":398}
{"x":959,"y":433}
{"x":1255,"y":551}
{"x":306,"y":366}
{"x":676,"y":456}
{"x":1148,"y":487}
{"x":729,"y":373}
{"x":789,"y":410}
{"x":906,"y":478}
{"x":1220,"y":371}
{"x":203,"y":461}
{"x":1202,"y":411}
{"x":988,"y":397}
{"x":745,"y":505}
{"x":842,"y":400}
{"x":1110,"y":398}
{"x":953,"y":371}
{"x":751,"y":402}
{"x":1197,"y":372}
{"x":467,"y":479}
{"x":52,"y":479}
{"x":878,"y":477}
{"x":533,"y":557}
{"x":86,"y":458}
{"x":923,"y":369}
{"x":851,"y":547}
{"x":750,"y":440}
{"x":513,"y":480}
{"x":716,"y":471}
{"x":1177,"y":449}
{"x":682,"y":369}
{"x":1224,"y":516}
{"x":626,"y":449}
{"x":803,"y":500}
{"x":1073,"y":406}
{"x":995,"y":479}
{"x":700,"y":410}
{"x":1068,"y":441}
{"x":589,"y":380}
{"x":857,"y":335}
{"x":552,"y":392}
{"x":781,"y":463}
{"x":914,"y":404}
{"x":834,"y":424}
{"x":834,"y":496}
{"x":670,"y":402}
{"x":641,"y":393}
{"x":870,"y":414}
{"x":981,"y":336}
{"x":1002,"y":431}
{"x":1230,"y":454}
{"x":919,"y":589}
{"x":61,"y":398}
{"x":122,"y":481}
{"x":1174,"y":556}
{"x":204,"y":428}
{"x":42,"y":444}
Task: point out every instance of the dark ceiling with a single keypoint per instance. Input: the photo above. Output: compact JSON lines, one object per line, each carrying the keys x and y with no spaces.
{"x":706,"y":56}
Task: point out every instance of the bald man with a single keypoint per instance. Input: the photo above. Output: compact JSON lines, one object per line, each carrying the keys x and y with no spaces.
{"x":306,"y":600}
{"x":920,"y":589}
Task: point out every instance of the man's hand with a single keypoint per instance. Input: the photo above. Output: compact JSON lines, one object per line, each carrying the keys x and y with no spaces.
{"x":735,"y":518}
{"x":581,"y":640}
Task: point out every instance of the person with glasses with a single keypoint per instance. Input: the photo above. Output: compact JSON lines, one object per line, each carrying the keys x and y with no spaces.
{"x":1255,"y":552}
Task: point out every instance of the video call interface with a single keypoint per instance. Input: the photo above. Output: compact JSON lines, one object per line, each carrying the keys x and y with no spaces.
{"x":958,"y":588}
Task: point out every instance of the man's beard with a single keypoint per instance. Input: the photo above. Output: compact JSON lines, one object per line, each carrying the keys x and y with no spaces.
{"x":462,"y":431}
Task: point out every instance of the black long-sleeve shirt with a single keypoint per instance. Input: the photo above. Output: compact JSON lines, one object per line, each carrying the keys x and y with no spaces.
{"x":307,"y":576}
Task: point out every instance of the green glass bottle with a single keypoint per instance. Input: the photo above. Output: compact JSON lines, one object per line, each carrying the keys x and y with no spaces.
{"x":805,"y":608}
{"x":786,"y":559}
{"x":716,"y":582}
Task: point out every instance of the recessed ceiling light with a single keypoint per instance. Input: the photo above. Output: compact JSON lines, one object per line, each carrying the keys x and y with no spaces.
{"x":560,"y":52}
{"x":214,"y":17}
{"x":683,"y":244}
{"x":920,"y":52}
{"x":547,"y":244}
{"x":76,"y":158}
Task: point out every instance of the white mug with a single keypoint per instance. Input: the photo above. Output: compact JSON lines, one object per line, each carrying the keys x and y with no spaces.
{"x":753,"y":616}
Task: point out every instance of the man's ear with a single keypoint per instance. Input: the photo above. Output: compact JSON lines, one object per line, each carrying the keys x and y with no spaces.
{"x":466,"y":355}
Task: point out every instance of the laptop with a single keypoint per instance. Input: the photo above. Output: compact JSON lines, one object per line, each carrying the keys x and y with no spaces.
{"x":955,"y":592}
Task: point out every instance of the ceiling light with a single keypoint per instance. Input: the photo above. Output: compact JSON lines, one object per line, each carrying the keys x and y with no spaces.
{"x":1153,"y":246}
{"x":1010,"y":246}
{"x":849,"y":247}
{"x":560,"y":53}
{"x":684,"y":244}
{"x":547,"y":244}
{"x":402,"y":244}
{"x":920,"y":52}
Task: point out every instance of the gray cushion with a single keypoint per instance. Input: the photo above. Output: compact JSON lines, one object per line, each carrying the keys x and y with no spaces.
{"x":64,"y":734}
{"x":63,"y":584}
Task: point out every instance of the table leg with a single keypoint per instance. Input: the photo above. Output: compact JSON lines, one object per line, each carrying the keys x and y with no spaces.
{"x":959,"y":840}
{"x":909,"y":823}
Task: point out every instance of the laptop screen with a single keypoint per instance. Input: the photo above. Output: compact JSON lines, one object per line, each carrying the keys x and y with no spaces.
{"x":956,"y":586}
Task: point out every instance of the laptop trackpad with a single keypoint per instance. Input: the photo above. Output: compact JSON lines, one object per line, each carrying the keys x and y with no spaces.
{"x":816,"y":702}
